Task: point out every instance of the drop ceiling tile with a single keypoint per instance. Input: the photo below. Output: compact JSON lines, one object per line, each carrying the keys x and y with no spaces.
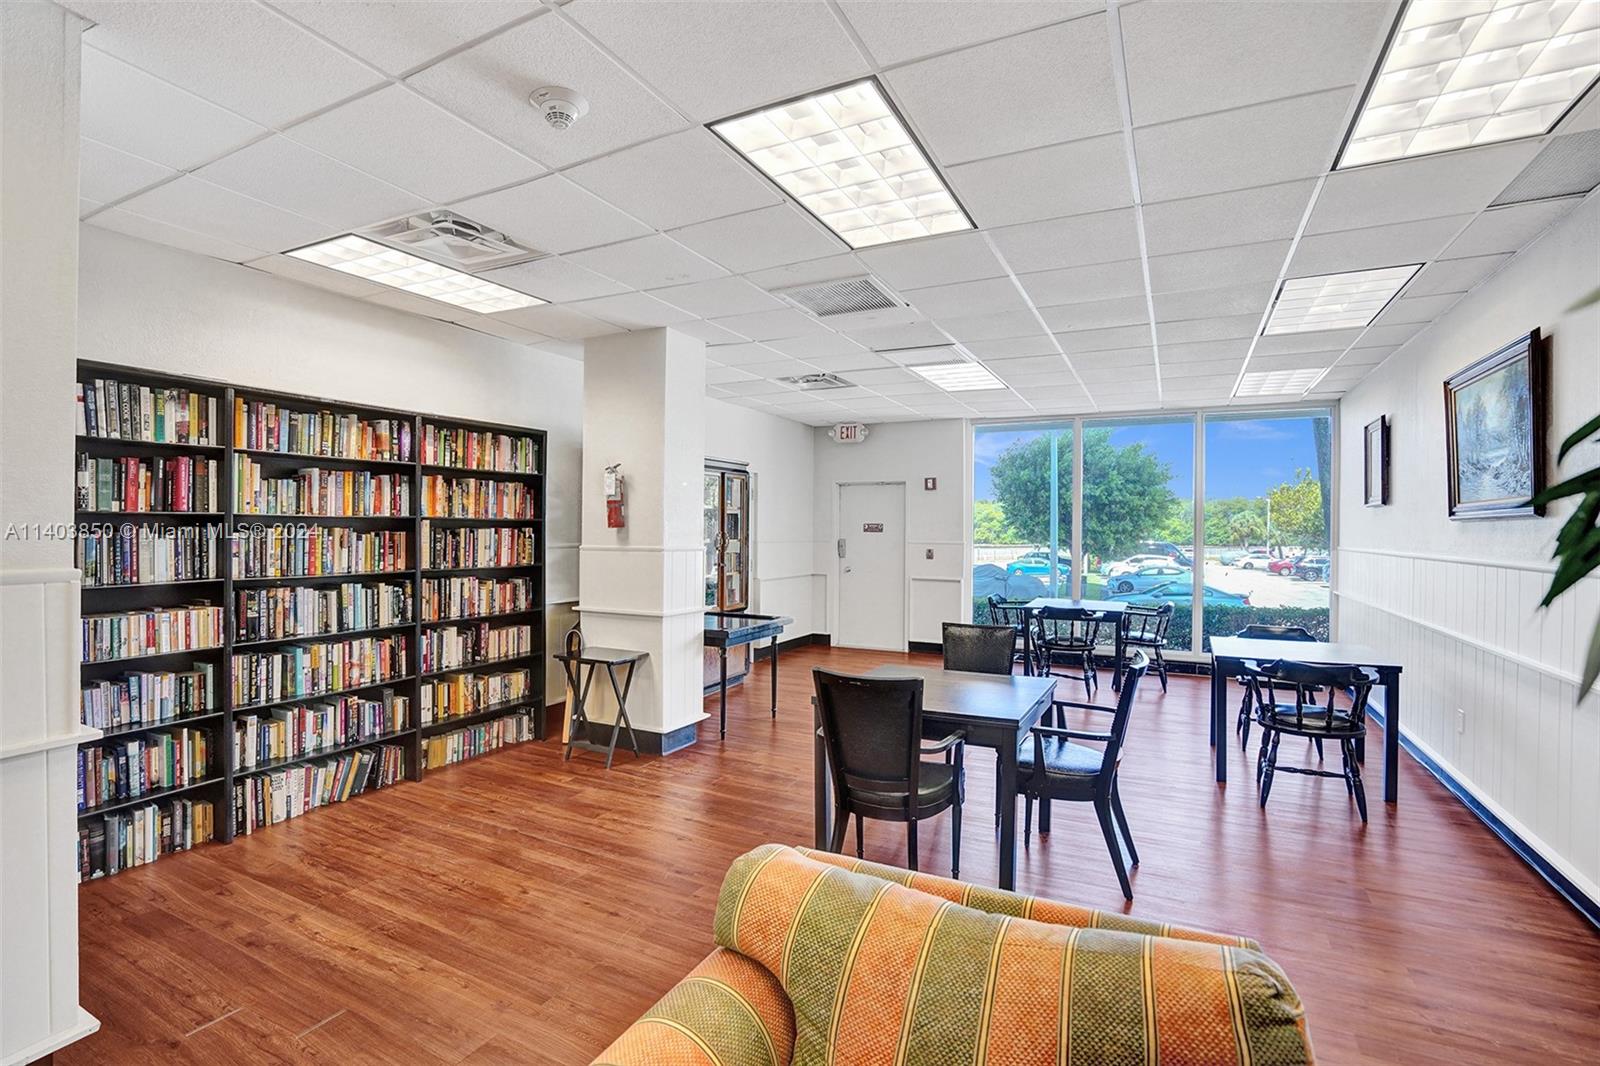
{"x":318,"y":276}
{"x":127,"y":109}
{"x":1061,"y":179}
{"x":1113,"y":358}
{"x":1097,"y":314}
{"x":1453,"y":183}
{"x":1585,"y":116}
{"x":1199,"y":374}
{"x":1198,"y":270}
{"x":506,"y":331}
{"x":1362,"y":354}
{"x":727,"y":375}
{"x":1390,"y":334}
{"x":966,"y":298}
{"x":992,"y":327}
{"x":756,"y":387}
{"x":1245,"y":216}
{"x":1453,"y":276}
{"x":1290,"y":361}
{"x":711,"y":334}
{"x":1031,"y":365}
{"x":291,"y":176}
{"x":553,"y":215}
{"x":555,"y":280}
{"x":719,"y":297}
{"x":380,"y":132}
{"x":813,"y":346}
{"x":743,"y":354}
{"x":960,"y":103}
{"x":648,"y":263}
{"x":106,"y":173}
{"x":1204,"y":303}
{"x":633,"y":310}
{"x":401,"y":37}
{"x":1221,"y":328}
{"x":1267,"y":144}
{"x":1101,"y":281}
{"x":1189,"y":59}
{"x":1082,"y":240}
{"x":412,"y":304}
{"x":1205,"y":351}
{"x":717,"y":59}
{"x":1378,"y":246}
{"x":560,"y":322}
{"x":221,"y":214}
{"x":890,"y":375}
{"x":243,"y":57}
{"x":150,"y":229}
{"x":849,"y":364}
{"x":931,"y":261}
{"x":678,"y":180}
{"x":909,"y":335}
{"x":895,"y":31}
{"x":1119,"y":380}
{"x":1336,"y":340}
{"x":1417,"y":309}
{"x":488,"y":85}
{"x":772,"y":325}
{"x":908,"y":391}
{"x":828,"y":268}
{"x":755,"y":240}
{"x":1508,"y":229}
{"x":1016,"y":347}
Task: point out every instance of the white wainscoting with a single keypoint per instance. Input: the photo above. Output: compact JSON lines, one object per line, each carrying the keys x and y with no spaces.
{"x":1472,"y":638}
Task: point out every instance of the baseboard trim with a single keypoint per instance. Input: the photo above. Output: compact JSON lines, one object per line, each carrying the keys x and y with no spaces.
{"x":668,"y":742}
{"x":932,"y":647}
{"x":764,"y":651}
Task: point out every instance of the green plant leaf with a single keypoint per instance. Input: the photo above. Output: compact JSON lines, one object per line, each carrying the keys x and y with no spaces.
{"x":1592,"y":298}
{"x":1576,"y":437}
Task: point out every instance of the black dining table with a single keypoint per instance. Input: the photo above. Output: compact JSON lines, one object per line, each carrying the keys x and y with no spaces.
{"x":1229,"y":654}
{"x":1114,"y":609}
{"x":991,"y":711}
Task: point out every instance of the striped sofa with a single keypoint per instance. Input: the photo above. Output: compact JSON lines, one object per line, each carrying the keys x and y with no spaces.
{"x":824,"y":960}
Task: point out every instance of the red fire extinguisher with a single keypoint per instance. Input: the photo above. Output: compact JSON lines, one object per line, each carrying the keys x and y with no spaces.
{"x":614,"y":497}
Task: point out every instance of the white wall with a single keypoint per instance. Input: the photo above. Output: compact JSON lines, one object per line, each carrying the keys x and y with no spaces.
{"x":143,"y":304}
{"x":1458,"y":600}
{"x":937,"y":589}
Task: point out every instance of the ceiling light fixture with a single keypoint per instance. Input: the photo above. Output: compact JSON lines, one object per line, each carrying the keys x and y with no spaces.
{"x":958,"y":377}
{"x":382,"y":265}
{"x":1336,"y":301}
{"x":1460,"y":74}
{"x":848,"y":158}
{"x":1278,"y":382}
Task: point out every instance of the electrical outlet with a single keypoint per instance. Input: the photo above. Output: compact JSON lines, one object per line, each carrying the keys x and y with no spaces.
{"x":1461,"y":720}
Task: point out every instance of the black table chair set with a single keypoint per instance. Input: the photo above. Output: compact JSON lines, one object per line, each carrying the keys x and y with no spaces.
{"x":1282,"y":695}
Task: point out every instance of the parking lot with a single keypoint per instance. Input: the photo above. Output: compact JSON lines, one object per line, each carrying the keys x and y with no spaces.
{"x":1264,"y":589}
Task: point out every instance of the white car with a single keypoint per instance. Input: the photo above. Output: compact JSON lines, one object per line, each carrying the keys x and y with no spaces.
{"x":1132,"y":563}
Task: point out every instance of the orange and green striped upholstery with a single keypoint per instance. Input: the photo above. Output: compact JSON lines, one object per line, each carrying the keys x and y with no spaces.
{"x":728,"y":1011}
{"x":878,"y":972}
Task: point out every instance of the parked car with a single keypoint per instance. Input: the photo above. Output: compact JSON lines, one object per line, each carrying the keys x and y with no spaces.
{"x":1037,"y":564}
{"x":1254,"y":559}
{"x":1312,"y":568}
{"x":1167,"y":550}
{"x":1132,"y":563}
{"x":1283,"y":566}
{"x":1181,"y":595}
{"x":1231,"y":556}
{"x":1148,"y":577}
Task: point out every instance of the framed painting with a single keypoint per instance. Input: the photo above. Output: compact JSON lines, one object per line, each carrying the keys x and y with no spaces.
{"x":1494,"y":414}
{"x":1375,"y":480}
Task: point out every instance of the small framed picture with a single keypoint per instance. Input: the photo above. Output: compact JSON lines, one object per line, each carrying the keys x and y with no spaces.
{"x":1494,"y":414}
{"x":1376,"y":477}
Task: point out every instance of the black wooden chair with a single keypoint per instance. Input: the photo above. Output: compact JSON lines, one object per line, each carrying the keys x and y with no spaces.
{"x":1068,"y":635}
{"x":1261,"y":631}
{"x":979,"y":649}
{"x":1013,"y":613}
{"x":1145,"y":629}
{"x":873,"y":731}
{"x":1052,"y":766}
{"x":1283,"y":705}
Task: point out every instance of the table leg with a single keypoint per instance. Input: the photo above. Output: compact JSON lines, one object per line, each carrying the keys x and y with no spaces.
{"x":819,"y":787}
{"x":722,"y":691}
{"x":580,"y":698}
{"x":1219,"y":709}
{"x":774,"y":676}
{"x":1391,"y":738}
{"x":1008,"y":816}
{"x":1027,"y":647}
{"x":622,"y":715}
{"x":1120,"y":648}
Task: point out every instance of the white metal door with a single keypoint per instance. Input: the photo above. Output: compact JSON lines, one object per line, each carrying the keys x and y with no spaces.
{"x":872,"y":566}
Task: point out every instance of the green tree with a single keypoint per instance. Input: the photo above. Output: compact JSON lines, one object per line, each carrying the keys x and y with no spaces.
{"x":1297,"y":513}
{"x":1245,"y":528}
{"x":990,"y":525}
{"x":1125,"y":493}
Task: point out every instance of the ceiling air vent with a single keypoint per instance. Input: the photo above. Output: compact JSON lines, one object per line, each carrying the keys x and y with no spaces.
{"x":816,"y":382}
{"x":846,"y":296}
{"x":448,"y":238}
{"x":1568,"y":166}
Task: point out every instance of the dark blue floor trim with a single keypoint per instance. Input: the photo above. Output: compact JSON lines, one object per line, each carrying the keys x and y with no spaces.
{"x":1568,"y":891}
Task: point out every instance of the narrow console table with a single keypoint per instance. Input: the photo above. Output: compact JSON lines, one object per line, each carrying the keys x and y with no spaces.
{"x":729,"y":629}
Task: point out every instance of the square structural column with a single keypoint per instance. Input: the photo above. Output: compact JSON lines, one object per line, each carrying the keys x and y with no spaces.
{"x":641,"y":586}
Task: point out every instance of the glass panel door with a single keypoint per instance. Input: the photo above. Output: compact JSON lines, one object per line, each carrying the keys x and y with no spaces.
{"x":735,"y":514}
{"x":712,"y":532}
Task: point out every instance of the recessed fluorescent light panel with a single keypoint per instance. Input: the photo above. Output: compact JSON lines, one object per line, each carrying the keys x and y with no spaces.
{"x":1336,"y":301}
{"x":849,"y":159}
{"x":402,"y":270}
{"x":1460,"y":73}
{"x":1278,"y":382}
{"x":958,"y":377}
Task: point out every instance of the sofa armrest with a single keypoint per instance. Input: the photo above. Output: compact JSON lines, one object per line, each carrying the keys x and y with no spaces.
{"x":727,"y":1011}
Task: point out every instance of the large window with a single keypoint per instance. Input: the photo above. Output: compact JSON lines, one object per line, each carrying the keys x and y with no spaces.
{"x":1262,"y":554}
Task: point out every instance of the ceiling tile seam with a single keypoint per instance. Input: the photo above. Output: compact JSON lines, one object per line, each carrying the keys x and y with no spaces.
{"x":1044,"y":328}
{"x":856,"y":41}
{"x":947,"y":52}
{"x":560,"y":13}
{"x":1246,"y":107}
{"x":230,"y":192}
{"x":1277,"y":285}
{"x":1119,"y":79}
{"x":449,"y":53}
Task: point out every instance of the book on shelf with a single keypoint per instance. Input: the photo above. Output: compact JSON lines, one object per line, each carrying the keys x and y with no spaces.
{"x":149,"y":698}
{"x":300,"y":671}
{"x":122,"y":554}
{"x":259,"y":550}
{"x":135,"y":837}
{"x":459,"y":695}
{"x":318,"y":491}
{"x":270,"y":427}
{"x":454,"y":547}
{"x":284,"y":612}
{"x":473,"y":449}
{"x":452,"y":646}
{"x":469,"y":742}
{"x":121,"y":769}
{"x":133,"y":484}
{"x":120,"y":410}
{"x":471,"y":497}
{"x":446,"y":598}
{"x":150,"y":631}
{"x":267,"y":798}
{"x":306,"y":729}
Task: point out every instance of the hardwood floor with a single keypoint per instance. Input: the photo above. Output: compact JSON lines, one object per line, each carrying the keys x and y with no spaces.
{"x":519,"y":909}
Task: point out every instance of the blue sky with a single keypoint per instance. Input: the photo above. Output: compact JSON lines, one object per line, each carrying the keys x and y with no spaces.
{"x":1245,"y":457}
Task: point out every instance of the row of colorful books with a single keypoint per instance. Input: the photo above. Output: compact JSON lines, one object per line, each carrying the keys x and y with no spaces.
{"x":470,"y":497}
{"x":149,"y":698}
{"x":446,"y":547}
{"x":445,"y":598}
{"x":469,"y":742}
{"x":142,"y":835}
{"x":269,"y":798}
{"x":299,"y":671}
{"x":123,"y":411}
{"x":448,"y":647}
{"x":317,"y":551}
{"x":318,"y":491}
{"x":309,"y":728}
{"x":279,"y":612}
{"x":130,"y":484}
{"x":151,"y":631}
{"x":334,"y":434}
{"x":115,"y":770}
{"x":145,"y":555}
{"x":479,"y":450}
{"x":459,"y":695}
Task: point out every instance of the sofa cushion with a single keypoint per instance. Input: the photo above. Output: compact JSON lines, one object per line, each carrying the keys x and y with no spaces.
{"x":879,"y":972}
{"x":727,"y":1010}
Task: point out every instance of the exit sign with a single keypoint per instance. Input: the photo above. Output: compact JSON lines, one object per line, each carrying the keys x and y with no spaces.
{"x":848,"y":432}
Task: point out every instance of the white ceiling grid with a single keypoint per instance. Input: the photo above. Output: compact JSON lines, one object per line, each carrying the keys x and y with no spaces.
{"x":1143,"y":175}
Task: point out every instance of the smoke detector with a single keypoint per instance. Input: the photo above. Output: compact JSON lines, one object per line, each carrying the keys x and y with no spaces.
{"x":560,"y":106}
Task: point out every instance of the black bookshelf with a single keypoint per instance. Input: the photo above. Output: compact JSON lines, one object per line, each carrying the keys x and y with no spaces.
{"x":230,"y":524}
